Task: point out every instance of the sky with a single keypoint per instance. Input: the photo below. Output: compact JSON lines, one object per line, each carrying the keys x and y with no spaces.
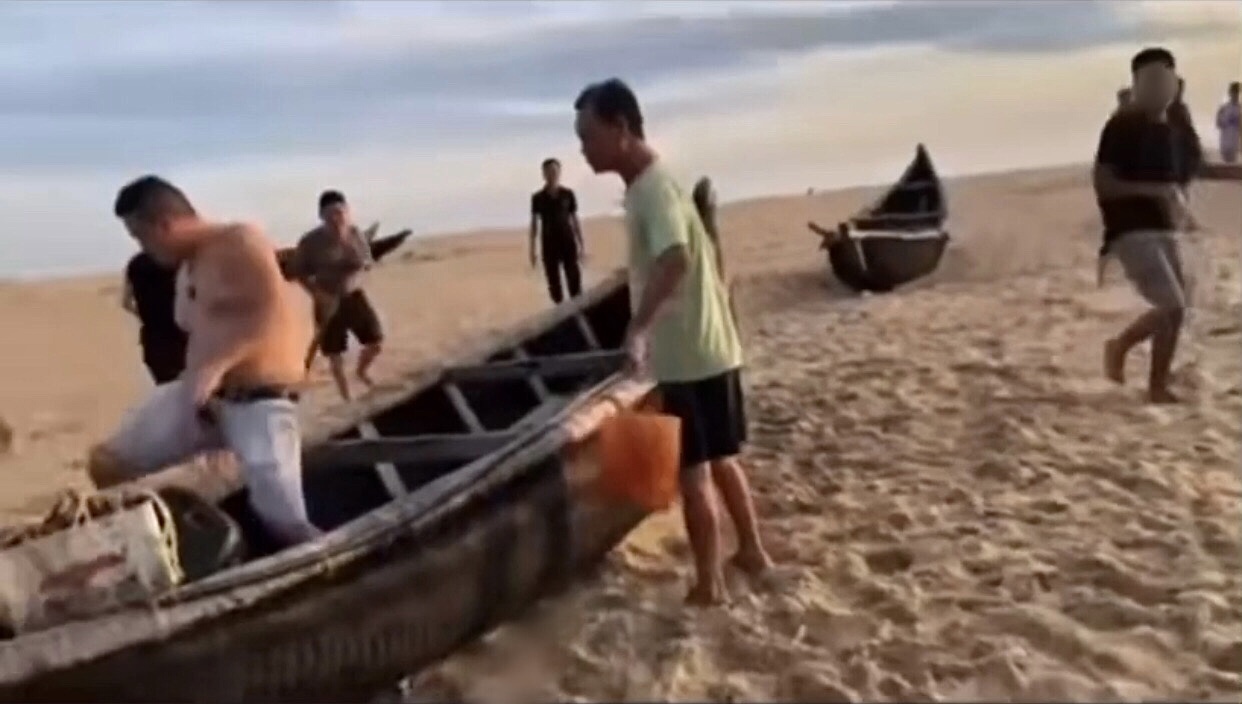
{"x":435,"y":115}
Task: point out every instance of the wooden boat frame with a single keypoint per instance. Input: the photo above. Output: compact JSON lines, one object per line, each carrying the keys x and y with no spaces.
{"x":447,"y":562}
{"x":849,"y":243}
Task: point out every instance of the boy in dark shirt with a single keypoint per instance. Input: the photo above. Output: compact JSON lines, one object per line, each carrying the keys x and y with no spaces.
{"x":149,"y":293}
{"x":554,"y":224}
{"x":1137,"y":173}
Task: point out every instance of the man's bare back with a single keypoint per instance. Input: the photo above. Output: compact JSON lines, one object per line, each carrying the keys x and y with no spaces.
{"x":237,"y":293}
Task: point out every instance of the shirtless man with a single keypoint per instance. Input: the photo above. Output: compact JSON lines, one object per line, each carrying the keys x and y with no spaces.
{"x":332,"y":259}
{"x":249,"y":330}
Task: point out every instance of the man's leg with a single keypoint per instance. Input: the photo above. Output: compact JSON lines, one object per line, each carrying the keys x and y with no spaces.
{"x":573,"y":274}
{"x":698,"y":505}
{"x":333,"y":340}
{"x":265,"y":437}
{"x":365,"y":324}
{"x":724,"y":398}
{"x":159,"y":433}
{"x":552,"y":274}
{"x":1152,"y":263}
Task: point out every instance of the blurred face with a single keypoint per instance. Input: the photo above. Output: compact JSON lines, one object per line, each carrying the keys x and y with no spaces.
{"x":155,"y":237}
{"x":1155,"y":86}
{"x":603,"y":143}
{"x":335,"y":215}
{"x":552,"y":173}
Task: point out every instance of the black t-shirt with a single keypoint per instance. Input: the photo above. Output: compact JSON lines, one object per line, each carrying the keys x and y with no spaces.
{"x":554,"y":210}
{"x":1138,"y":148}
{"x":154,"y":287}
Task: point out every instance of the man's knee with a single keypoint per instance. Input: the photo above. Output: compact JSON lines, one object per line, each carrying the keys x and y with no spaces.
{"x":105,"y":468}
{"x":695,"y":480}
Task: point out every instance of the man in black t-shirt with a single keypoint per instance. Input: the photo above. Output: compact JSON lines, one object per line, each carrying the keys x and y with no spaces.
{"x":1137,"y":172}
{"x":149,"y":293}
{"x":554,"y":225}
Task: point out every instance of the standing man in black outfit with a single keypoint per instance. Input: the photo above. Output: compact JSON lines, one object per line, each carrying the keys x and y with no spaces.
{"x":1138,"y":173}
{"x":149,"y":293}
{"x":554,"y":225}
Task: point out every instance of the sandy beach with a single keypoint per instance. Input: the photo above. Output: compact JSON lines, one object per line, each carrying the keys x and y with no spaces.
{"x":963,"y":508}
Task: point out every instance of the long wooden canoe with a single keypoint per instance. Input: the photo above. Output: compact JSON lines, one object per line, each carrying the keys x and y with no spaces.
{"x":451,"y":502}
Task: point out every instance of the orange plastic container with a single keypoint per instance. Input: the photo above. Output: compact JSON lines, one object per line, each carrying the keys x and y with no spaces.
{"x":639,"y":457}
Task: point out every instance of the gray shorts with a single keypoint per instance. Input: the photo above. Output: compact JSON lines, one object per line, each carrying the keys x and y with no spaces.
{"x":1152,"y":261}
{"x":264,"y":435}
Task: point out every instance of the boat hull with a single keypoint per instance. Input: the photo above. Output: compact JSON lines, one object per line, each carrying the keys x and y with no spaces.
{"x":497,"y":547}
{"x":880,"y":262}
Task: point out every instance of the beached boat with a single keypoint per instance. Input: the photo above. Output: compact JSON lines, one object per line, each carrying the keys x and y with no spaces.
{"x":1220,"y":171}
{"x":897,"y":239}
{"x":451,"y":502}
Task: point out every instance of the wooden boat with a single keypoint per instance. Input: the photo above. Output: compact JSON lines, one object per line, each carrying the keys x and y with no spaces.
{"x":1220,"y":171}
{"x":897,"y":239}
{"x":451,"y":502}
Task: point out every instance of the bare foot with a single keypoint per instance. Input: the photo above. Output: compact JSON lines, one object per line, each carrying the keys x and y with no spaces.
{"x":755,"y":564}
{"x":1115,"y":361}
{"x":1161,"y":395}
{"x":711,"y":593}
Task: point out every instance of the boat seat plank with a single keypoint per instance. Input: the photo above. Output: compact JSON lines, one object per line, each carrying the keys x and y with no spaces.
{"x":899,"y":217}
{"x":412,"y":449}
{"x":536,"y":384}
{"x":587,"y":333}
{"x":386,"y":470}
{"x":425,"y":449}
{"x":462,"y":406}
{"x":563,"y":365}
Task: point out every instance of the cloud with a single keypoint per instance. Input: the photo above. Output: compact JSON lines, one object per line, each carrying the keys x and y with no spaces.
{"x":429,"y":132}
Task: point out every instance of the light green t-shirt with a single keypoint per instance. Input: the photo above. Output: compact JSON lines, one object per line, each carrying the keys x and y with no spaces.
{"x":693,"y":336}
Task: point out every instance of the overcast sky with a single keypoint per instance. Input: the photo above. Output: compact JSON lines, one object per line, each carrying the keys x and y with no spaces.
{"x":436,"y":114}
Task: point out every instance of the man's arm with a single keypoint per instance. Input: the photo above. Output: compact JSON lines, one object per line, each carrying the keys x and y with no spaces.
{"x":237,"y":292}
{"x":573,"y":221}
{"x":534,"y":227}
{"x":664,"y":229}
{"x":127,"y":295}
{"x":1114,"y":144}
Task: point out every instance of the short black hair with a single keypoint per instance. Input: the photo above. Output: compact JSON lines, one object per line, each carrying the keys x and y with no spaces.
{"x":1152,"y":55}
{"x":613,"y":102}
{"x":1234,"y":86}
{"x":149,"y":197}
{"x":550,"y":161}
{"x":331,"y":197}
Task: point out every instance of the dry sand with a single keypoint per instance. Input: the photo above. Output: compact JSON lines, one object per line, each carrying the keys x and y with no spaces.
{"x":962,"y":507}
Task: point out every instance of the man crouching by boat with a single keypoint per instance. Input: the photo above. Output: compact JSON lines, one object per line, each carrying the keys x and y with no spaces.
{"x":249,"y":330}
{"x":681,"y":330}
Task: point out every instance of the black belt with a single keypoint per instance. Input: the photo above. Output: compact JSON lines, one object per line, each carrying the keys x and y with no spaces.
{"x":258,"y":393}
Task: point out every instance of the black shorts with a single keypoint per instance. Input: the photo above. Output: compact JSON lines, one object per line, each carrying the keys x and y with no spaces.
{"x":164,"y":355}
{"x":354,"y":315}
{"x":713,"y":417}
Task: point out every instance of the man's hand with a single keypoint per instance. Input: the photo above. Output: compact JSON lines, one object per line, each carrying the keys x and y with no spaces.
{"x":1180,"y":209}
{"x":636,"y":349}
{"x":202,"y":385}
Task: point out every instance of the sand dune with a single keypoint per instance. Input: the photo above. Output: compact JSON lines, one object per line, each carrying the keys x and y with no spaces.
{"x":962,"y":508}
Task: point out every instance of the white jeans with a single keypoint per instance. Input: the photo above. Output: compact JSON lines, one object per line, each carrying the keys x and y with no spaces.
{"x":264,"y":435}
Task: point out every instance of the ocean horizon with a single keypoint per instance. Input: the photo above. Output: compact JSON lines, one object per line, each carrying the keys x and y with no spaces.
{"x":436,"y":115}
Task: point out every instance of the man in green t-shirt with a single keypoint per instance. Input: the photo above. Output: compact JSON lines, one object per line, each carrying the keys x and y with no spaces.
{"x":681,"y":331}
